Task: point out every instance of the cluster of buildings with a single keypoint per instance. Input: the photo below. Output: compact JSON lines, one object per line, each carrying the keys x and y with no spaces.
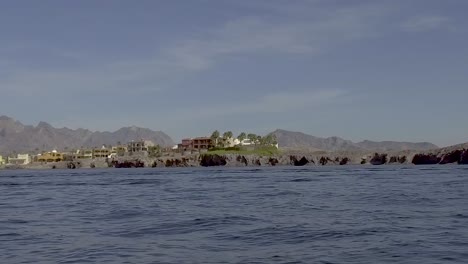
{"x":205,"y":143}
{"x":140,"y":147}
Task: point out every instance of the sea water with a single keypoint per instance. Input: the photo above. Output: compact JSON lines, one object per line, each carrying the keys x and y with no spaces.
{"x":349,"y":214}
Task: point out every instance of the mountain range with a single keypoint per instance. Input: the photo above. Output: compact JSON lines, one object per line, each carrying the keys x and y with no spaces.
{"x":14,"y":136}
{"x":298,"y":140}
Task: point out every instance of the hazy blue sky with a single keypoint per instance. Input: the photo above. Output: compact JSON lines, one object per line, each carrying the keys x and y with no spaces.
{"x":379,"y":70}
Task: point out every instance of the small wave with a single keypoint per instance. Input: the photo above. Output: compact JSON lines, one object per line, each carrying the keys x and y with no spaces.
{"x":302,"y":180}
{"x":9,"y":234}
{"x":43,"y":199}
{"x":15,"y":221}
{"x":189,"y":226}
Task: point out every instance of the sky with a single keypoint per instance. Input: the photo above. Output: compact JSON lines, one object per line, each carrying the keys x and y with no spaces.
{"x":362,"y":69}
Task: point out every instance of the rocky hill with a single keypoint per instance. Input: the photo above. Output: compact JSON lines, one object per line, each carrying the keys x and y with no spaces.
{"x":14,"y":136}
{"x":298,"y":140}
{"x":395,"y":146}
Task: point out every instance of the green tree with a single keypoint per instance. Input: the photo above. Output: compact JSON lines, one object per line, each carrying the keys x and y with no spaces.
{"x":268,"y":140}
{"x":215,"y":137}
{"x":227,"y":135}
{"x":242,"y":136}
{"x":259,"y":140}
{"x":154,"y":151}
{"x":252,"y":137}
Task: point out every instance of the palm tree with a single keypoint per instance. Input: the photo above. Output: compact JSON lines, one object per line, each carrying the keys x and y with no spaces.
{"x":252,"y":137}
{"x":242,"y":136}
{"x":259,"y":140}
{"x":269,"y":140}
{"x":214,"y":137}
{"x":226,"y":136}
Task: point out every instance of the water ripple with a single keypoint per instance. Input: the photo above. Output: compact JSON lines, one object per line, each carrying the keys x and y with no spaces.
{"x":358,"y":214}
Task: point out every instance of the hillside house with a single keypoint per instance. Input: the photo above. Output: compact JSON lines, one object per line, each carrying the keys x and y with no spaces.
{"x":101,"y":152}
{"x":52,"y":156}
{"x":202,"y":143}
{"x":21,"y":159}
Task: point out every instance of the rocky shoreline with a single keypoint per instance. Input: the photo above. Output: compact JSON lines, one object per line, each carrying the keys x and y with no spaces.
{"x":452,"y":155}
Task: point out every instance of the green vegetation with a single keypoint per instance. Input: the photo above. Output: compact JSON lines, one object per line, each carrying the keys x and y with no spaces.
{"x":154,"y":151}
{"x":242,"y":136}
{"x":215,"y":137}
{"x":260,"y":150}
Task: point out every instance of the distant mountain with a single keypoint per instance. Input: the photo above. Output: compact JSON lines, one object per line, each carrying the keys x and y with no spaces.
{"x":15,"y":136}
{"x":298,"y":140}
{"x":395,"y":146}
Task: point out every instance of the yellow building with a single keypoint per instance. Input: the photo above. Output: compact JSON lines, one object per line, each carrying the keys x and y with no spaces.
{"x":118,"y":150}
{"x":2,"y":161}
{"x":52,"y":156}
{"x":83,"y":154}
{"x":101,"y":153}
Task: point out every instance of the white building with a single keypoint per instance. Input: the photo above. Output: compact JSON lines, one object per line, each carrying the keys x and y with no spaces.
{"x":21,"y":159}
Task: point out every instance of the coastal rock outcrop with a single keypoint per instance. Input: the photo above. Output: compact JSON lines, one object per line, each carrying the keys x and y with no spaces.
{"x":464,"y":157}
{"x":451,"y":157}
{"x":71,"y":165}
{"x":325,"y":160}
{"x":177,"y":162}
{"x":273,"y":161}
{"x":397,"y":159}
{"x":344,"y":161}
{"x":213,"y":160}
{"x":301,"y":162}
{"x":425,"y":159}
{"x":402,"y":159}
{"x":257,"y":162}
{"x":378,"y":159}
{"x":128,"y":164}
{"x":242,"y":160}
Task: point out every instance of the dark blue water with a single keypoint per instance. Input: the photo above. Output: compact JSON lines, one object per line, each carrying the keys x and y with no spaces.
{"x":347,"y":214}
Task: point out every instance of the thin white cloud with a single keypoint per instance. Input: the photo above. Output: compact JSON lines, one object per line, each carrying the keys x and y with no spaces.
{"x":426,"y":23}
{"x":262,"y":35}
{"x":282,"y":102}
{"x":242,"y":36}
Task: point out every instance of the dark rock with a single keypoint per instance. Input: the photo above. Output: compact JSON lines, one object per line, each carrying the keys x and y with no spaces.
{"x":212,"y":160}
{"x":425,"y":159}
{"x":344,"y":161}
{"x":451,"y":157}
{"x":273,"y":161}
{"x":169,"y":163}
{"x":257,"y":162}
{"x":393,"y":159}
{"x":402,"y":159}
{"x":379,"y":159}
{"x":128,"y":164}
{"x":242,"y":159}
{"x":71,"y":165}
{"x":325,"y":160}
{"x":303,"y":161}
{"x":177,"y":162}
{"x":463,"y":157}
